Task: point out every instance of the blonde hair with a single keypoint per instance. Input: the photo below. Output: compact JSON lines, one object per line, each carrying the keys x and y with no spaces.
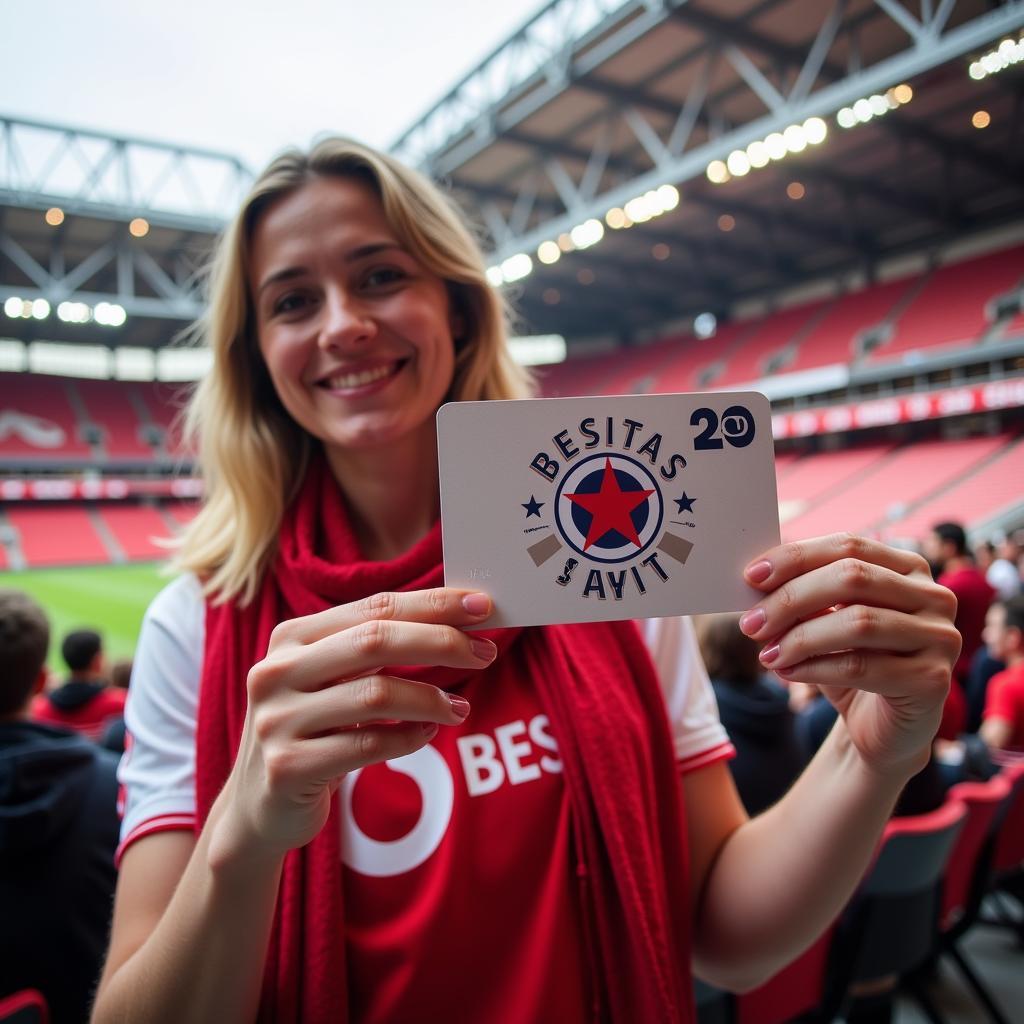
{"x":252,"y":455}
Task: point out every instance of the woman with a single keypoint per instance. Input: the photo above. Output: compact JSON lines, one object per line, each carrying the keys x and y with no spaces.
{"x":347,"y":304}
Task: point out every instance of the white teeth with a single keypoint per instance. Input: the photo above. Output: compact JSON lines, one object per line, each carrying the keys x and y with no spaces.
{"x":356,"y":380}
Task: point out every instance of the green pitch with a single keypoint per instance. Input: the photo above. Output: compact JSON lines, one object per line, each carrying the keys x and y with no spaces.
{"x":108,"y":598}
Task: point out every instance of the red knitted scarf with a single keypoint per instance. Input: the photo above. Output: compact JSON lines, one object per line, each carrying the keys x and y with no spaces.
{"x":598,"y":687}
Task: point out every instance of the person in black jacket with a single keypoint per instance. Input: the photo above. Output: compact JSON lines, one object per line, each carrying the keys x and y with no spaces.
{"x":754,"y":710}
{"x":58,"y":832}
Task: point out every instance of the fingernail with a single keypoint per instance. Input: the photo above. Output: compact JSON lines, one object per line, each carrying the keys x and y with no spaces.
{"x":477,"y":604}
{"x":769,"y":654}
{"x":429,"y":728}
{"x":459,"y":705}
{"x":752,"y":621}
{"x":484,"y":649}
{"x":759,"y":571}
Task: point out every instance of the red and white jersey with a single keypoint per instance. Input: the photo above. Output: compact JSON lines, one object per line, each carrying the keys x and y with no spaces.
{"x":460,"y":885}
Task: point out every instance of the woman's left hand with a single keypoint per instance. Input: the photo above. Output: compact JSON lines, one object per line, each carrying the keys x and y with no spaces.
{"x":867,"y":624}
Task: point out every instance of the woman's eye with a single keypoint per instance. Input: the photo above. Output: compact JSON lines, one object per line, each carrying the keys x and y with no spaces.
{"x":289,"y":303}
{"x":383,"y":276}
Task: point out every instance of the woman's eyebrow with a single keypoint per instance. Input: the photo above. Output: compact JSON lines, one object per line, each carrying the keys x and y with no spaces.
{"x":353,"y":256}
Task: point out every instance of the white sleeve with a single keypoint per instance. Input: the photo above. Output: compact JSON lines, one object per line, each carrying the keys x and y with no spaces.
{"x":690,"y":701}
{"x":157,"y":771}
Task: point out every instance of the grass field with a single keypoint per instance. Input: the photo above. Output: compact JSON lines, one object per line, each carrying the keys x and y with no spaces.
{"x":108,"y":598}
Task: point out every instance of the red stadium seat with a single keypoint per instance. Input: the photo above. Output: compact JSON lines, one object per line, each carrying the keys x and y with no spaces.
{"x":38,"y":421}
{"x":135,"y":527}
{"x":57,"y":535}
{"x":951,"y":307}
{"x":111,"y":405}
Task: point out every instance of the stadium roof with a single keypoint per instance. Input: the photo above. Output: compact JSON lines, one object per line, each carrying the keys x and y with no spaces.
{"x":597,"y":105}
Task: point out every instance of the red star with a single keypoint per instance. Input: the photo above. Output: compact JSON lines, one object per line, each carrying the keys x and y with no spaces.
{"x":610,"y":508}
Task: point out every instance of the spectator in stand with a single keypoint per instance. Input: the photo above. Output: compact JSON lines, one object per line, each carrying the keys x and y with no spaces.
{"x":754,"y":710}
{"x":86,"y":702}
{"x":946,"y":549}
{"x":1003,"y":575}
{"x":1003,"y":725}
{"x":121,"y":673}
{"x":984,"y":555}
{"x":58,"y":831}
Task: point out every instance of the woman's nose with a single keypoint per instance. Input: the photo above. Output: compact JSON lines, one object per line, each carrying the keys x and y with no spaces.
{"x":346,"y":323}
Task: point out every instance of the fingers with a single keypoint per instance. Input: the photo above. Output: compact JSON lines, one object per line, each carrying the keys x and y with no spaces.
{"x":369,"y":700}
{"x":848,"y":581}
{"x":920,"y":678}
{"x":781,"y":564}
{"x":858,"y":628}
{"x":441,"y":605}
{"x":363,"y":649}
{"x":309,"y":767}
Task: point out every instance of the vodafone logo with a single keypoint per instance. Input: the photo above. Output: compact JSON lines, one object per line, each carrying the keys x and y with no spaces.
{"x":427,"y":768}
{"x":515,"y":753}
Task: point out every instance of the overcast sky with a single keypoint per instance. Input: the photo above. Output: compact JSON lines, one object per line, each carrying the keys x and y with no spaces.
{"x":249,"y":77}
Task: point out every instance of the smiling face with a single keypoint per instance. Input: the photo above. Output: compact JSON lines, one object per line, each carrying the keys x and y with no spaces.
{"x":355,"y":333}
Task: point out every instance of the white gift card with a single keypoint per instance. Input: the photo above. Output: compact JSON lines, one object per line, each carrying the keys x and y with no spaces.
{"x":595,"y":509}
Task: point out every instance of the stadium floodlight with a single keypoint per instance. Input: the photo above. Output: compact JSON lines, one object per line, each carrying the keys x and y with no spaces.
{"x":668,"y":196}
{"x":757,"y":154}
{"x":796,"y":141}
{"x":139,"y":227}
{"x":717,"y":172}
{"x":776,"y":145}
{"x":616,"y":218}
{"x":738,"y":163}
{"x":548,"y":252}
{"x":54,"y":216}
{"x":538,"y":349}
{"x":589,"y":233}
{"x":13,"y":307}
{"x":516,"y":267}
{"x":109,"y":314}
{"x":705,"y":325}
{"x":494,"y":277}
{"x":74,"y":312}
{"x":40,"y":309}
{"x":1006,"y":54}
{"x":815,"y":131}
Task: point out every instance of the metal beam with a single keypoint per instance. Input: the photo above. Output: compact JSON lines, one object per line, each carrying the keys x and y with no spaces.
{"x":824,"y":102}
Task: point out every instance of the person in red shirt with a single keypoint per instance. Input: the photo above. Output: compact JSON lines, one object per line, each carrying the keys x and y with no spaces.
{"x":85,"y":702}
{"x":1003,"y":725}
{"x":388,"y":813}
{"x":946,"y":550}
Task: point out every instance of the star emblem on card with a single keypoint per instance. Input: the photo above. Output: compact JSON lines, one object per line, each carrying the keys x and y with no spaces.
{"x":684,"y":503}
{"x":533,"y":507}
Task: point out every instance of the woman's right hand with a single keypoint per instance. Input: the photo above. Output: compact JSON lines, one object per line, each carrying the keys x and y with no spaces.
{"x":320,"y":707}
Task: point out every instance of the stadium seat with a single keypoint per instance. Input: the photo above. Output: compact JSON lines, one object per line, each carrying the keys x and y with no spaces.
{"x":951,"y":307}
{"x":796,"y":990}
{"x":37,"y":420}
{"x":113,"y":406}
{"x":896,"y":481}
{"x":975,"y":497}
{"x":889,"y":927}
{"x":135,"y":527}
{"x":968,"y":874}
{"x":57,"y":535}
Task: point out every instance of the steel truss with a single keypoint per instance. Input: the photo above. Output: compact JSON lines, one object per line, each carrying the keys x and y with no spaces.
{"x":117,"y":177}
{"x":790,"y":83}
{"x":131,"y":276}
